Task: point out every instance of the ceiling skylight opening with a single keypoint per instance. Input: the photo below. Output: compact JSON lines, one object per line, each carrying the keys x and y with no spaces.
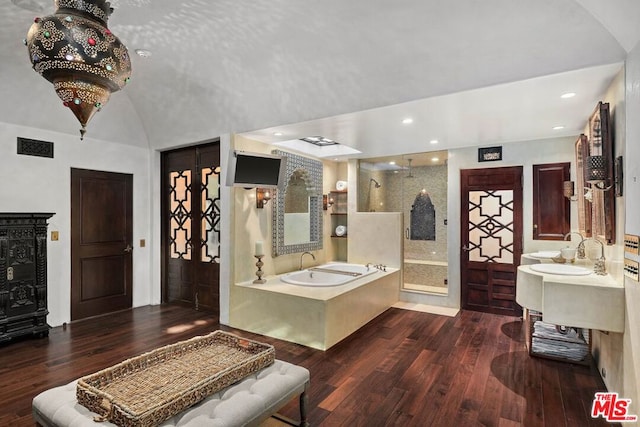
{"x":407,"y":121}
{"x":320,"y":141}
{"x":568,"y":95}
{"x":558,"y":127}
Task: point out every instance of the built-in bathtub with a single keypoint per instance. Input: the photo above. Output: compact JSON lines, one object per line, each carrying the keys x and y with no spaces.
{"x":314,"y":316}
{"x":332,"y":274}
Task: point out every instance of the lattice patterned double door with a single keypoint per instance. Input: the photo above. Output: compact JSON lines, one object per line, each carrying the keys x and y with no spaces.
{"x":491,"y":236}
{"x":191,"y":226}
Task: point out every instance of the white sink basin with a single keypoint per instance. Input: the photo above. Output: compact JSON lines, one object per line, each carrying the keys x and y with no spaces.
{"x":562,"y":269}
{"x":545,"y":254}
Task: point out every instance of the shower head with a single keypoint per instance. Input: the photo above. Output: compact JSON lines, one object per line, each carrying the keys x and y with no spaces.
{"x":376,"y":183}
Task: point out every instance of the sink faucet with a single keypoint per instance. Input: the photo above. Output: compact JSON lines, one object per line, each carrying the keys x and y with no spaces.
{"x":302,"y":256}
{"x":599,"y":266}
{"x":580,"y":252}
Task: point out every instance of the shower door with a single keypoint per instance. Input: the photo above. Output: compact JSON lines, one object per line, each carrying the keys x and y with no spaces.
{"x":491,"y":236}
{"x":415,"y":185}
{"x":423,"y":182}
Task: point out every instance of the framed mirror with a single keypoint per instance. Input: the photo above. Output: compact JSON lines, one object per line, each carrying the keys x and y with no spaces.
{"x":297,"y":211}
{"x":583,"y":190}
{"x":600,"y":176}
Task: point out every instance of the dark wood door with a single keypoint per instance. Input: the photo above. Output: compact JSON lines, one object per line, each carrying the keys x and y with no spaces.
{"x":191,"y":226}
{"x":551,"y":209}
{"x":491,"y":236}
{"x":101,"y":242}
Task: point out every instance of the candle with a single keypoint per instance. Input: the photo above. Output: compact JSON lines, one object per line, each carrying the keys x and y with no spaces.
{"x":259,"y":248}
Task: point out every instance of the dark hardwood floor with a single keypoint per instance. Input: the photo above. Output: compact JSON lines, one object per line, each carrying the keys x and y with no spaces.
{"x":404,"y":368}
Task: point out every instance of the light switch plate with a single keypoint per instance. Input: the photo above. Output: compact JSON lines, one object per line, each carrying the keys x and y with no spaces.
{"x":631,"y":269}
{"x":54,"y":236}
{"x":143,"y":243}
{"x":631,"y":244}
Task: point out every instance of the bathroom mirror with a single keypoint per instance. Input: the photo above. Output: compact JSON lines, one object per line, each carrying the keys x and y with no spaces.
{"x":297,"y":211}
{"x":416,"y":185}
{"x":599,"y":175}
{"x":585,"y":194}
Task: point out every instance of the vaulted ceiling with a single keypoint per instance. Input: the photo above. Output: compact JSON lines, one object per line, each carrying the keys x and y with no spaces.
{"x":303,"y":67}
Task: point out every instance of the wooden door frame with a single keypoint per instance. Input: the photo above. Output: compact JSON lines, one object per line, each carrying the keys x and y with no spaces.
{"x":164,"y":209}
{"x":518,"y":220}
{"x":76,"y":238}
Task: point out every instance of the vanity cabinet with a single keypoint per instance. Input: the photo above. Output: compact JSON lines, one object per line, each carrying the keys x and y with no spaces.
{"x":23,"y":274}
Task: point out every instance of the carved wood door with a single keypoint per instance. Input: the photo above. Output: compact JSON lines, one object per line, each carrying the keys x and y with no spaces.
{"x":101,"y":242}
{"x":491,"y":236}
{"x":191,"y":226}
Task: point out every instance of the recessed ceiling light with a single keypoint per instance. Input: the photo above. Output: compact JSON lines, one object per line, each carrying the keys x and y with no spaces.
{"x":433,"y":141}
{"x":392,"y":162}
{"x":278,"y":134}
{"x":567,"y":95}
{"x":434,"y":159}
{"x":144,"y":53}
{"x":407,"y":121}
{"x":558,"y":127}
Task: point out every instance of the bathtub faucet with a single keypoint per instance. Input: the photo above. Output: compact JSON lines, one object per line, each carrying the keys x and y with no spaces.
{"x":302,"y":256}
{"x":380,"y":267}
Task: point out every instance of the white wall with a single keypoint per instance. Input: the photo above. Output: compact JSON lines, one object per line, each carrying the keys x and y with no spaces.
{"x":35,"y":184}
{"x":630,"y":372}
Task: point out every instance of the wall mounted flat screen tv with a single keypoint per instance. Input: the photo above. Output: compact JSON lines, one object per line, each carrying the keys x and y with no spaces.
{"x":254,"y":169}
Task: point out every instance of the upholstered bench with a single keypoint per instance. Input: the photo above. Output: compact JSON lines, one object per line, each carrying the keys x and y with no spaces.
{"x":245,"y":403}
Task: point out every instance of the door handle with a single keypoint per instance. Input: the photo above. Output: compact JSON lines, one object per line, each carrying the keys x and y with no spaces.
{"x":129,"y":248}
{"x":406,"y":233}
{"x":466,"y":248}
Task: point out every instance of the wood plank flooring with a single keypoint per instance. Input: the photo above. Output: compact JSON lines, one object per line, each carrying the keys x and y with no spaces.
{"x":404,"y":368}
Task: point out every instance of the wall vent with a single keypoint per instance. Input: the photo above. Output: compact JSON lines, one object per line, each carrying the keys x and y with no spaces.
{"x":34,"y":147}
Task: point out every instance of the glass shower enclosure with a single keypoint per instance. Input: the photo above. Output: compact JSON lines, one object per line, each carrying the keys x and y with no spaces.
{"x":416,"y":185}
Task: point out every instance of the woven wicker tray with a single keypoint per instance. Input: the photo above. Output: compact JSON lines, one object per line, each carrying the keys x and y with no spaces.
{"x":148,"y":389}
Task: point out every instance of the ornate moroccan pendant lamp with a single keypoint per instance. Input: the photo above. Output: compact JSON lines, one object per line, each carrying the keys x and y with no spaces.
{"x":74,"y":50}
